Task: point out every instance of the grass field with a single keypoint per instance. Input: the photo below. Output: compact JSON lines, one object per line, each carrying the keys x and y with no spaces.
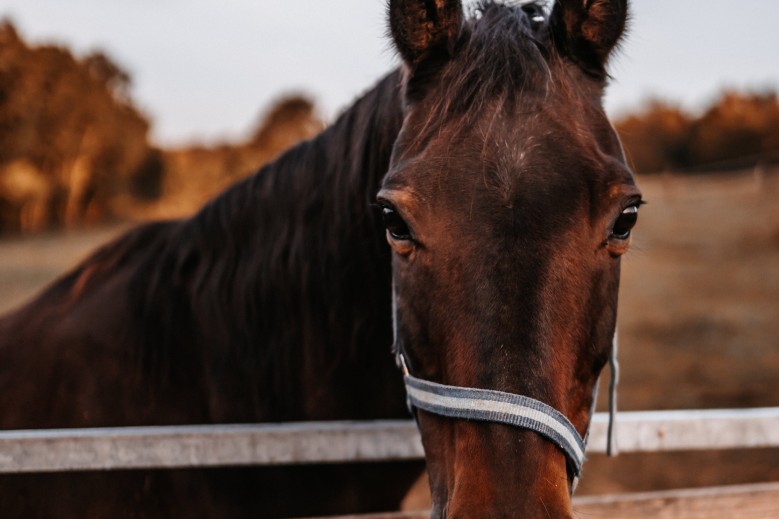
{"x":699,"y":315}
{"x":29,"y":263}
{"x":699,"y":322}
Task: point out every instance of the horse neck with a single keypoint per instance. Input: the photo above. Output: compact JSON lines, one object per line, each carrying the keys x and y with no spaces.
{"x":296,"y":274}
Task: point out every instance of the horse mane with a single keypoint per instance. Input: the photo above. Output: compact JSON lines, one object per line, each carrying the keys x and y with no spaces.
{"x":275,"y":275}
{"x":278,"y":270}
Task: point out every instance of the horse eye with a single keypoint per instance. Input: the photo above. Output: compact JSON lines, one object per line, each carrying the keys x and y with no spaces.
{"x":395,"y":225}
{"x":625,"y":223}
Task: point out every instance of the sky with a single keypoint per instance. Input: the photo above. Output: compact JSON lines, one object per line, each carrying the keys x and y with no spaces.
{"x":206,"y":69}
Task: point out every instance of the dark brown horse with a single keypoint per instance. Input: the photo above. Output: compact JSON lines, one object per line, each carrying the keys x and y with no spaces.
{"x":507,"y":205}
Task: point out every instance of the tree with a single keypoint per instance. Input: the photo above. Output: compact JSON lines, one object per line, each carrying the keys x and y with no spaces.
{"x":656,"y":138}
{"x":73,"y":121}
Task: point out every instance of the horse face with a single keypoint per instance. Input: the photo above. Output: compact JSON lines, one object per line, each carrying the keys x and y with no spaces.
{"x":507,"y":205}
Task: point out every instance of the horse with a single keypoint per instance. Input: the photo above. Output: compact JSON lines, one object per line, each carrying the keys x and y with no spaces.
{"x":508,"y":205}
{"x":467,"y":214}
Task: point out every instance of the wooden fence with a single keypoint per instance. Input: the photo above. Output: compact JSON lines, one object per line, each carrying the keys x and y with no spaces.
{"x":332,"y":442}
{"x":741,"y":502}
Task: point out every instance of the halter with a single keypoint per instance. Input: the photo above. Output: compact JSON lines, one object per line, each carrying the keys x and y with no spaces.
{"x":507,"y":408}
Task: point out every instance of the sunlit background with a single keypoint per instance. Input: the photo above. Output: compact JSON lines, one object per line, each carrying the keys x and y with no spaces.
{"x":119,"y":111}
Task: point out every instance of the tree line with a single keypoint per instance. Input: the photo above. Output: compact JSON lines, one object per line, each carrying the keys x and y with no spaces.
{"x":75,"y":149}
{"x":69,"y":134}
{"x":737,"y":130}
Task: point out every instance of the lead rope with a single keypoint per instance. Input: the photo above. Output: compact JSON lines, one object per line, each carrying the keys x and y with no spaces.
{"x":611,"y":437}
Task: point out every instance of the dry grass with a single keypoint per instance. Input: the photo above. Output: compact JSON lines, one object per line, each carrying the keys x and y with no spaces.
{"x":29,"y":263}
{"x":699,"y":323}
{"x":699,"y":316}
{"x":700,"y":295}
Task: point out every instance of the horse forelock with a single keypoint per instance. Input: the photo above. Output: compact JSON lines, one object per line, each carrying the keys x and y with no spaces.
{"x":502,"y":59}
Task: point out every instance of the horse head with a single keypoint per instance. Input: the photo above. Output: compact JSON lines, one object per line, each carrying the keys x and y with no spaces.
{"x":507,"y":206}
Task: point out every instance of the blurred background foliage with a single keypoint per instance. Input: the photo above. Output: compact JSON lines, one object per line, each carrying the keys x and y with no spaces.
{"x":737,"y":130}
{"x":75,"y":149}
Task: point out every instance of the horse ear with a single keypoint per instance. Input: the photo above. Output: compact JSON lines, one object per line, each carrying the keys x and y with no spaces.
{"x":588,"y":30}
{"x":424,"y":29}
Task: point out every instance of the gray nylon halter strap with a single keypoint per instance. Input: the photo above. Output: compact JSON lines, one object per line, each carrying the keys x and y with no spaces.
{"x":498,"y":407}
{"x":517,"y":410}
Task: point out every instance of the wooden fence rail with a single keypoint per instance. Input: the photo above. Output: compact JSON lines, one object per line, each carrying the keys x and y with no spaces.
{"x":332,"y":442}
{"x":207,"y":446}
{"x":760,"y":501}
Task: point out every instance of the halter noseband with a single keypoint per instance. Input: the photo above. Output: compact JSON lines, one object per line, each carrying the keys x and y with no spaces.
{"x":496,"y":406}
{"x":488,"y":405}
{"x":507,"y":408}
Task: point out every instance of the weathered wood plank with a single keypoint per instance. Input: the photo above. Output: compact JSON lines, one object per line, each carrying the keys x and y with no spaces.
{"x":217,"y":445}
{"x":655,"y":431}
{"x":743,"y":502}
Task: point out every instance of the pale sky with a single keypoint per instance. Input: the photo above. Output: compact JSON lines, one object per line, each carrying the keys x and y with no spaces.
{"x":205,"y":69}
